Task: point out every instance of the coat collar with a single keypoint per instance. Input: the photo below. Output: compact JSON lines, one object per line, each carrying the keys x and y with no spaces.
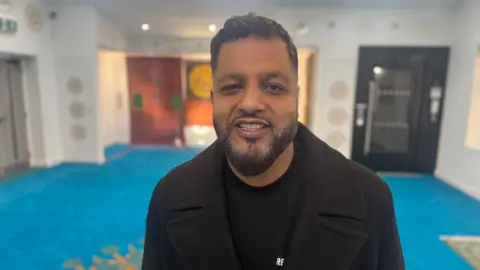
{"x":331,"y":220}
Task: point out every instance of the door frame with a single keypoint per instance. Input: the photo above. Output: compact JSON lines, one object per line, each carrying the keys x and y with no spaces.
{"x":29,"y":83}
{"x":428,"y":138}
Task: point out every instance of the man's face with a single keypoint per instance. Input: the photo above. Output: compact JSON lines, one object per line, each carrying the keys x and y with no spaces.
{"x":255,"y":101}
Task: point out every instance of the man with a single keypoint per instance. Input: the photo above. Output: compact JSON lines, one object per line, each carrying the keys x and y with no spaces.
{"x":267,"y":194}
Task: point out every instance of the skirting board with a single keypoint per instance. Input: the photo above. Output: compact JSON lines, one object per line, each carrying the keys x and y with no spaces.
{"x":42,"y":163}
{"x":472,"y":191}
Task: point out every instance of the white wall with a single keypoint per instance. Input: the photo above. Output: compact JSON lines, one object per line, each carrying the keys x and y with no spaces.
{"x":113,"y":83}
{"x":79,"y":33}
{"x":160,"y":45}
{"x":113,"y":87}
{"x":33,"y":107}
{"x":457,"y":164}
{"x":304,"y":70}
{"x":75,"y":47}
{"x":473,"y":124}
{"x":40,"y":87}
{"x":109,"y":36}
{"x":24,"y":42}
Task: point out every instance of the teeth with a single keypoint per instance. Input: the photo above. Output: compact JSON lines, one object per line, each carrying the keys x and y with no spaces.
{"x":252,"y":126}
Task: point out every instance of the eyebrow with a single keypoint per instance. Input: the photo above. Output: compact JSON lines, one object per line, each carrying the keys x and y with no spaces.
{"x":231,"y":76}
{"x":274,"y":74}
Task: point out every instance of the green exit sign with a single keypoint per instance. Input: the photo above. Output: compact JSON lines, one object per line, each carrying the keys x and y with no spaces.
{"x":8,"y":26}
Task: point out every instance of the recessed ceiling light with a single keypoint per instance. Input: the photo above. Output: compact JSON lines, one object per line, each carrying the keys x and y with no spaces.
{"x":145,"y":27}
{"x":212,"y":27}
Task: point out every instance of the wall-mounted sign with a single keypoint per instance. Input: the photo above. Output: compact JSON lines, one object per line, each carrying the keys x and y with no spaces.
{"x":8,"y":26}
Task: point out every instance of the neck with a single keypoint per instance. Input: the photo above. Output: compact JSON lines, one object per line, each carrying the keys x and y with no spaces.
{"x":272,"y":174}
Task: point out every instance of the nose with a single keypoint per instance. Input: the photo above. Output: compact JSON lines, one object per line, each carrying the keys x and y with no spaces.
{"x":251,"y":100}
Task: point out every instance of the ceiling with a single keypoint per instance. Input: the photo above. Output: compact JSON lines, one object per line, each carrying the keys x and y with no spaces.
{"x":191,"y":18}
{"x":404,"y":4}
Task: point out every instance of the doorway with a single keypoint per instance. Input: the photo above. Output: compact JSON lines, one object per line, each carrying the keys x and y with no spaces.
{"x":14,"y":155}
{"x":398,"y":108}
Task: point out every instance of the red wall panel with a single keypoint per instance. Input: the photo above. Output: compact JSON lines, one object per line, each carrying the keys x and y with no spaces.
{"x":153,"y":84}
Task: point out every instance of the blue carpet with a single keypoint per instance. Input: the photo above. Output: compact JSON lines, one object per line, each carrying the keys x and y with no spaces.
{"x":427,"y":208}
{"x":73,"y":211}
{"x":115,"y":149}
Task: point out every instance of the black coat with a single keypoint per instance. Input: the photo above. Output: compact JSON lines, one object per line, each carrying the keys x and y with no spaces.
{"x":347,"y":220}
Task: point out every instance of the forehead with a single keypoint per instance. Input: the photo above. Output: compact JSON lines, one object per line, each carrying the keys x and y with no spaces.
{"x":250,"y":55}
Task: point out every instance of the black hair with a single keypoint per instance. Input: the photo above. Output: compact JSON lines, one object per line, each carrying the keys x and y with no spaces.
{"x":251,"y":25}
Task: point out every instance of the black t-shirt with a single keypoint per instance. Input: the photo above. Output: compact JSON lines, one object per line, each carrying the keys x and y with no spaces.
{"x":260,"y":216}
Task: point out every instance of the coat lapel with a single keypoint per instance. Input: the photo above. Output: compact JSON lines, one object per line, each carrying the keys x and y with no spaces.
{"x":331,"y":230}
{"x":198,"y":226}
{"x":320,"y":244}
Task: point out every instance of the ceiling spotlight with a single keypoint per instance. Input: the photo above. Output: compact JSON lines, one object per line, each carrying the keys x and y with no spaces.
{"x":212,"y":27}
{"x":145,"y":27}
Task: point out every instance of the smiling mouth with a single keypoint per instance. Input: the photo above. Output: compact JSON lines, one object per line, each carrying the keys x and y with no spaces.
{"x":251,"y":129}
{"x":251,"y":126}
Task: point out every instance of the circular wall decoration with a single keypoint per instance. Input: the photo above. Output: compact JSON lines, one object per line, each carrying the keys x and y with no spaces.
{"x":78,"y":132}
{"x":366,"y":25}
{"x":34,"y":17}
{"x":427,"y":27}
{"x":337,"y":116}
{"x":395,"y":25}
{"x":75,"y":85}
{"x":335,"y":139}
{"x":331,"y":25}
{"x":200,"y":80}
{"x":6,"y":6}
{"x":77,"y":110}
{"x":338,"y":90}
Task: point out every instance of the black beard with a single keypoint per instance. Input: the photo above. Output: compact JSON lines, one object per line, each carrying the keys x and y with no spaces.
{"x":253,"y":164}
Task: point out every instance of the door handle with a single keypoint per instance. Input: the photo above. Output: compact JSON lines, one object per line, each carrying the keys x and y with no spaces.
{"x":360,"y":115}
{"x":435,"y":99}
{"x":372,"y":91}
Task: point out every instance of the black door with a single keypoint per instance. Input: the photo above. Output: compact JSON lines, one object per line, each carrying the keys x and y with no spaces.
{"x":398,"y":109}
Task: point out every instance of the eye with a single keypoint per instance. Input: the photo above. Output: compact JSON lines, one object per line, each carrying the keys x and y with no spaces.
{"x":231,"y":88}
{"x":274,"y":88}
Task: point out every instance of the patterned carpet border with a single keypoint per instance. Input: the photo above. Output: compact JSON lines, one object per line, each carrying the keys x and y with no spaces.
{"x":111,"y":259}
{"x":467,"y":247}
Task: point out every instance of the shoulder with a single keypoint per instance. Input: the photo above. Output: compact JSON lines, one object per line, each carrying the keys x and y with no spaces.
{"x":372,"y":190}
{"x":162,"y":190}
{"x":186,"y":180}
{"x":346,"y":185}
{"x":375,"y":190}
{"x":340,"y":183}
{"x":177,"y":177}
